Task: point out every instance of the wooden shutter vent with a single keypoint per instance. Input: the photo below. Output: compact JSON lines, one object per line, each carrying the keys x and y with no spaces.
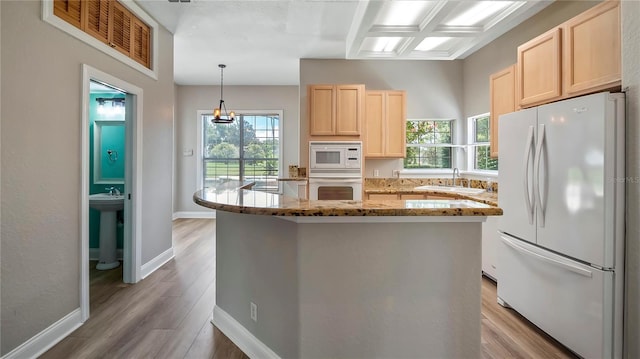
{"x":68,"y":10}
{"x":97,"y":19}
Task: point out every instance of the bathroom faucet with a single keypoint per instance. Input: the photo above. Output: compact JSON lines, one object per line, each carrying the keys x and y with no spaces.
{"x":455,"y":170}
{"x":113,"y":191}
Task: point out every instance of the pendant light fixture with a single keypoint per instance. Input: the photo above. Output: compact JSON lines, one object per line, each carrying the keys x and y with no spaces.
{"x":228,"y":116}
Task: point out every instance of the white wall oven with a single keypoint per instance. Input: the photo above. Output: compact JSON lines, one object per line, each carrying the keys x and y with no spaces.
{"x":335,"y":170}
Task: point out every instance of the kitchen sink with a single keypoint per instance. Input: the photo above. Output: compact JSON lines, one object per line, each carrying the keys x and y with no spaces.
{"x":452,"y":189}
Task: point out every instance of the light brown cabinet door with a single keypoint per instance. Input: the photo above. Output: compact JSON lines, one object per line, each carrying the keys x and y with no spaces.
{"x":374,"y":124}
{"x":395,"y":124}
{"x":502,"y":87}
{"x":539,"y":69}
{"x":385,"y":114}
{"x":382,"y":197}
{"x":321,"y":110}
{"x":413,"y":196}
{"x":591,"y":43}
{"x":349,"y":109}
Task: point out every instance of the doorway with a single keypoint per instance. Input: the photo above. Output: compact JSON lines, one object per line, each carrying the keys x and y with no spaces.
{"x":111,"y":163}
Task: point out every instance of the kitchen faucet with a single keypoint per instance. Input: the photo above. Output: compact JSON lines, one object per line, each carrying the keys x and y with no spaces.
{"x":113,"y":191}
{"x":455,"y":170}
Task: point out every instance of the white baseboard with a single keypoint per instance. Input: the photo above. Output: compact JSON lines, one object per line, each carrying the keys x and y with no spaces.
{"x":240,"y":336}
{"x":183,"y":214}
{"x":156,"y":263}
{"x":47,"y":338}
{"x":94,"y":254}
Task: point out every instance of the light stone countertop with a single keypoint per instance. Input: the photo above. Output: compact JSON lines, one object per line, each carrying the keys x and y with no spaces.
{"x":408,"y":186}
{"x":230,"y":197}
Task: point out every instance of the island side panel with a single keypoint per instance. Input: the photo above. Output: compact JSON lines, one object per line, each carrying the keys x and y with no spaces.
{"x":390,"y":290}
{"x":256,"y":261}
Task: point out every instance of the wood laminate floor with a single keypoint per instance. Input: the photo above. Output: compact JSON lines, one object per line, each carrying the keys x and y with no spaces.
{"x":167,"y":314}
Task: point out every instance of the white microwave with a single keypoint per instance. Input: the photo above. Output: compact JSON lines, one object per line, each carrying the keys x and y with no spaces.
{"x":335,"y":157}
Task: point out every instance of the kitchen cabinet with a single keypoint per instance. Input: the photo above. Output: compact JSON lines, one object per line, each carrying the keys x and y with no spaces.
{"x":502,"y":91}
{"x":539,"y":69}
{"x":335,"y":110}
{"x":591,"y":42}
{"x":382,"y":196}
{"x":295,"y":188}
{"x":413,"y":196}
{"x":385,"y":114}
{"x":580,"y":56}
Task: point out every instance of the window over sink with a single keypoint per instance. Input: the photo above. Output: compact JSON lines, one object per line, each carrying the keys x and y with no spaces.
{"x":429,"y":144}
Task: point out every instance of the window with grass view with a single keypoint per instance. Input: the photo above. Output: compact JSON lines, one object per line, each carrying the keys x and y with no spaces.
{"x":429,"y":144}
{"x":246,"y":149}
{"x":480,"y":150}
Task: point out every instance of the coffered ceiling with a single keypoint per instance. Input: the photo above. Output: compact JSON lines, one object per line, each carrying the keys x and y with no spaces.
{"x":261,"y":41}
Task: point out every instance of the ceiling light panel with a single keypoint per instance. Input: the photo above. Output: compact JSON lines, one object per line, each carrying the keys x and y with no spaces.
{"x":403,"y":13}
{"x":381,"y":44}
{"x":477,"y":12}
{"x":432,"y":43}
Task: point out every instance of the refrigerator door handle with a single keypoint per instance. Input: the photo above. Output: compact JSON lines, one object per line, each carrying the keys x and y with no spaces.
{"x":561,"y":264}
{"x":536,"y":176}
{"x":525,"y":174}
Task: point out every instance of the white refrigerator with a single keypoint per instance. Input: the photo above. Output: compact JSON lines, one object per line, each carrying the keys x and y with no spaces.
{"x":561,"y":252}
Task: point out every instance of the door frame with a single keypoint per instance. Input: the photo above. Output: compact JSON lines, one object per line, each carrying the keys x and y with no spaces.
{"x":133,"y":182}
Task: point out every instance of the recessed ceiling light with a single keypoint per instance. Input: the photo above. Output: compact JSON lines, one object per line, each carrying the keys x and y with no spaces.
{"x":478,"y":13}
{"x":430,"y":43}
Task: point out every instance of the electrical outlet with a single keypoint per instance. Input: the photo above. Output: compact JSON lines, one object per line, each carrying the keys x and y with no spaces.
{"x":254,"y":311}
{"x":376,"y":173}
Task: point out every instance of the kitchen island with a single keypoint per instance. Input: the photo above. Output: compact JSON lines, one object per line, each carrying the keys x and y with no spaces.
{"x":347,"y":279}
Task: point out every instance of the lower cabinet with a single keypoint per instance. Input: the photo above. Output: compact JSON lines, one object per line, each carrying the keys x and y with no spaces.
{"x":490,"y":243}
{"x":295,"y":189}
{"x":382,"y":196}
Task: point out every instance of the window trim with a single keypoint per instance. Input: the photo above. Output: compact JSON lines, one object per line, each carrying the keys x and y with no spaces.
{"x":433,"y":171}
{"x":200,"y":140}
{"x":471,"y":144}
{"x":49,"y":17}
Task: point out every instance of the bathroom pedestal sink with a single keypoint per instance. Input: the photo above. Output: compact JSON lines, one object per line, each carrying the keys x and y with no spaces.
{"x":108,"y":205}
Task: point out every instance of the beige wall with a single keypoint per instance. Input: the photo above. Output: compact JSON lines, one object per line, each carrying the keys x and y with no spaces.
{"x":501,"y":52}
{"x":631,"y":82}
{"x":41,"y":165}
{"x":191,"y":99}
{"x":434,"y":90}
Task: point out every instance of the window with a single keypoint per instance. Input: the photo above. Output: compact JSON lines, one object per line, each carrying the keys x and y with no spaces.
{"x":429,"y":144}
{"x":247,"y":149}
{"x":479,"y":151}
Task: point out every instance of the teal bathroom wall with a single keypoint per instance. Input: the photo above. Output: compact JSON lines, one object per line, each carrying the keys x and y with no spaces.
{"x":113,"y":137}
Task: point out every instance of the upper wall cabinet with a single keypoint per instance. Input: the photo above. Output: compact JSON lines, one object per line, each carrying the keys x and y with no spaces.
{"x":385,"y":116}
{"x":335,"y":110}
{"x":502,"y":89}
{"x":591,"y":57}
{"x":580,"y":56}
{"x":539,"y":69}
